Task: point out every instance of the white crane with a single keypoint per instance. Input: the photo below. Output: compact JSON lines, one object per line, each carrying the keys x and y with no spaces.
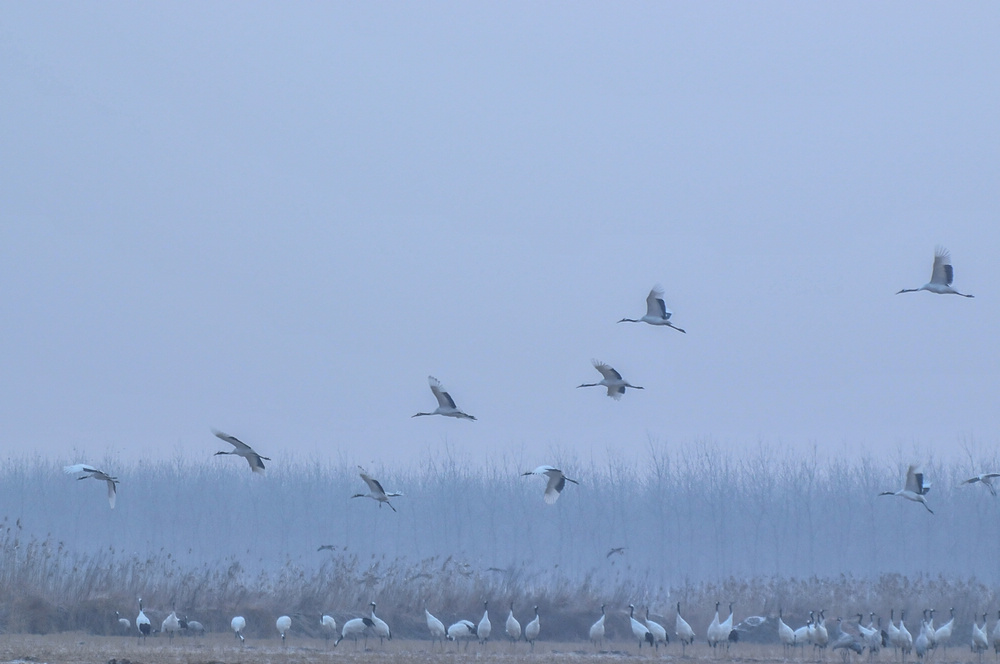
{"x":822,"y":637}
{"x":639,"y":631}
{"x":893,"y":632}
{"x":942,"y":635}
{"x":171,"y":624}
{"x":436,"y":628}
{"x":485,"y":628}
{"x":123,"y":622}
{"x":380,"y":627}
{"x":328,"y":626}
{"x":802,"y":633}
{"x":905,"y":638}
{"x":238,"y":624}
{"x":446,"y":405}
{"x":597,"y":631}
{"x":375,"y":490}
{"x":283,"y":624}
{"x":915,"y":488}
{"x":979,"y":640}
{"x":240,"y":448}
{"x":922,"y":643}
{"x":726,"y":628}
{"x":532,"y":629}
{"x":463,"y":630}
{"x":557,"y":481}
{"x":656,"y":311}
{"x":512,"y":626}
{"x":354,"y":628}
{"x":942,"y":274}
{"x":683,"y":630}
{"x":89,"y":472}
{"x":986,"y":479}
{"x":142,"y":623}
{"x":715,"y":633}
{"x":785,"y":633}
{"x":612,"y":380}
{"x":658,"y":631}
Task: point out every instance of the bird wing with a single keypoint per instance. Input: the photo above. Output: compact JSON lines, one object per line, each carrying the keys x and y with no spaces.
{"x":655,"y":306}
{"x":607,"y":371}
{"x":112,"y":491}
{"x":79,"y":468}
{"x":557,"y":481}
{"x":254,"y":459}
{"x":912,"y":483}
{"x":372,"y":483}
{"x":234,"y":441}
{"x":616,"y":391}
{"x":942,"y":272}
{"x":443,"y":398}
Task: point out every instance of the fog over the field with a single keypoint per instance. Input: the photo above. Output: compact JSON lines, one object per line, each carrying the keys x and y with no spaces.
{"x":695,"y":515}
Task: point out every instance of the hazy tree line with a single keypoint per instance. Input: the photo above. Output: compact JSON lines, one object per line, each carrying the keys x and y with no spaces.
{"x":692,"y":519}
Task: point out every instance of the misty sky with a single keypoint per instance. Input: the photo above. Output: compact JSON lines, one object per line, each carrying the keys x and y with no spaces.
{"x":277,"y":219}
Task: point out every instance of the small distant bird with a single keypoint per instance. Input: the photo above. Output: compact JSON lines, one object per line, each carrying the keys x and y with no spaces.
{"x":942,"y":275}
{"x":123,"y":622}
{"x":255,"y":460}
{"x":612,"y":380}
{"x":327,"y":547}
{"x":656,"y":311}
{"x":639,"y":631}
{"x":485,"y":627}
{"x":557,"y":481}
{"x":986,"y":479}
{"x":354,"y":628}
{"x":142,"y":622}
{"x":683,"y":630}
{"x":328,"y":626}
{"x":171,"y":624}
{"x":446,"y":405}
{"x":436,"y":628}
{"x":283,"y":623}
{"x":597,"y":630}
{"x":380,"y":627}
{"x":512,"y":626}
{"x":97,"y":475}
{"x":375,"y":491}
{"x":463,"y":629}
{"x":238,"y":624}
{"x":532,"y":629}
{"x":915,"y":488}
{"x":620,"y":550}
{"x":658,"y":631}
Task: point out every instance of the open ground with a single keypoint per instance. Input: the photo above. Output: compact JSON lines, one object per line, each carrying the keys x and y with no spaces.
{"x":221,"y":648}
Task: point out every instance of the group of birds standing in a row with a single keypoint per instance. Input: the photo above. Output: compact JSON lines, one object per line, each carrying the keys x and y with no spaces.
{"x":645,"y":630}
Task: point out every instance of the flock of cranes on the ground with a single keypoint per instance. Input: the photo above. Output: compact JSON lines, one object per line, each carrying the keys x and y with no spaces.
{"x":847,"y":636}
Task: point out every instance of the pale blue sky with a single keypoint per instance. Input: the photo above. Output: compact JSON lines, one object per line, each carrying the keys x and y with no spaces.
{"x":277,"y":219}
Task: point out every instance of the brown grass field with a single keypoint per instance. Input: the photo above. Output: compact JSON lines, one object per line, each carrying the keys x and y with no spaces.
{"x":72,"y":647}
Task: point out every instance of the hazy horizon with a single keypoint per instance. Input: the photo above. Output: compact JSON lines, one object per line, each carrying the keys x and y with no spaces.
{"x":277,"y":220}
